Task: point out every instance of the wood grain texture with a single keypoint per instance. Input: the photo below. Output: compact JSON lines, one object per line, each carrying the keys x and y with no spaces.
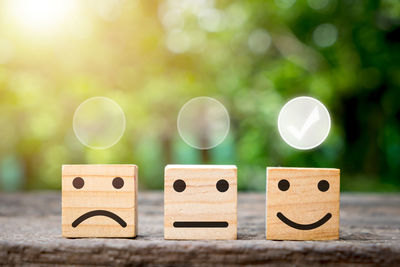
{"x":200,"y":201}
{"x":99,"y":194}
{"x":30,"y":235}
{"x":295,"y":212}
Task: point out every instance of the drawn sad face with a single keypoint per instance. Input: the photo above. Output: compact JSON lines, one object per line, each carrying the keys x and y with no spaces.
{"x":302,"y":204}
{"x":99,"y":200}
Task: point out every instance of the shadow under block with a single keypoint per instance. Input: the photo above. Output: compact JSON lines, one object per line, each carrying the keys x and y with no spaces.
{"x":99,"y":200}
{"x":302,"y":204}
{"x":200,"y":202}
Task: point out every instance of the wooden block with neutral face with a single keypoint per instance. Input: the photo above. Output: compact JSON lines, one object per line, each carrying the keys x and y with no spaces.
{"x":99,"y":200}
{"x":302,"y":204}
{"x":200,"y":202}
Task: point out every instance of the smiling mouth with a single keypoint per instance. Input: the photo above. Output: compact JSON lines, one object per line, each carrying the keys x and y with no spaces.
{"x":191,"y":224}
{"x":299,"y":226}
{"x":93,"y":213}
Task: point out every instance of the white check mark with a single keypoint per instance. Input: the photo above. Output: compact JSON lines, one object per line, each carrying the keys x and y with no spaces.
{"x":311,"y":119}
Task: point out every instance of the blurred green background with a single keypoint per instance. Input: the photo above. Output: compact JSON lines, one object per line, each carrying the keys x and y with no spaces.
{"x":151,"y":57}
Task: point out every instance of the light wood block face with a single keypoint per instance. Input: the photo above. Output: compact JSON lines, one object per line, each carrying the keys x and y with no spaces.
{"x":200,"y":202}
{"x":99,"y":200}
{"x":302,"y":204}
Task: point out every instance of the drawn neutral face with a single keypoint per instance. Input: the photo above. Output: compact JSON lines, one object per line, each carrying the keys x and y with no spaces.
{"x":200,"y":202}
{"x":302,"y":203}
{"x":99,"y":200}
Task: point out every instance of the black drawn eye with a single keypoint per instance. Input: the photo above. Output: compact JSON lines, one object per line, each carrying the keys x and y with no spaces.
{"x":323,"y":185}
{"x":118,"y":182}
{"x":222,"y":185}
{"x":283,"y":185}
{"x":78,"y":182}
{"x":179,"y":185}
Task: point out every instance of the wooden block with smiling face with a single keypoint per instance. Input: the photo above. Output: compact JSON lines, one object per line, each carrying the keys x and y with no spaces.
{"x":200,"y":202}
{"x":99,"y":200}
{"x":302,"y":204}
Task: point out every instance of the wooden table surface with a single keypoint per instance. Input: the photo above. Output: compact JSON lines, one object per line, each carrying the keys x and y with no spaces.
{"x":30,"y":234}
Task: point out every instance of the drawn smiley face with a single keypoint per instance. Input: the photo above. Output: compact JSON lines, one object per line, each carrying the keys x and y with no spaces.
{"x":302,"y":203}
{"x":323,"y":186}
{"x":200,"y":202}
{"x":99,"y":200}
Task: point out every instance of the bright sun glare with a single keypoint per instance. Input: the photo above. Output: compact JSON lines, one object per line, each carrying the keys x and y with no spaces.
{"x":41,"y":15}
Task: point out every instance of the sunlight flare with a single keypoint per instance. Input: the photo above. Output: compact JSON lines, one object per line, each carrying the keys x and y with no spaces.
{"x":41,"y":15}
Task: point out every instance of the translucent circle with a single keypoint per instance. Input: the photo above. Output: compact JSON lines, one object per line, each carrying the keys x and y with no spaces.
{"x":304,"y":122}
{"x":203,"y":122}
{"x":172,"y":19}
{"x":99,"y":122}
{"x":211,"y":20}
{"x":284,"y":4}
{"x":178,"y":41}
{"x":318,"y":4}
{"x":259,"y":41}
{"x":325,"y":35}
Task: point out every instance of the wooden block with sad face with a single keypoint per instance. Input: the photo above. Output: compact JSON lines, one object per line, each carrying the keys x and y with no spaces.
{"x":99,"y":200}
{"x":200,"y":202}
{"x":302,"y":204}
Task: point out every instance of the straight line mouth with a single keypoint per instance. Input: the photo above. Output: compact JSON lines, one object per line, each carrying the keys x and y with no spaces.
{"x":201,"y":224}
{"x":105,"y":213}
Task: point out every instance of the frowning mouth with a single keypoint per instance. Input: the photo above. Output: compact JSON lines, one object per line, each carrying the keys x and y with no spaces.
{"x":93,"y":213}
{"x":192,"y":224}
{"x":299,"y":226}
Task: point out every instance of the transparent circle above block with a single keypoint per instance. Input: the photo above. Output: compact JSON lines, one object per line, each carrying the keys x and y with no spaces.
{"x":99,"y":122}
{"x":304,"y":123}
{"x":203,"y":122}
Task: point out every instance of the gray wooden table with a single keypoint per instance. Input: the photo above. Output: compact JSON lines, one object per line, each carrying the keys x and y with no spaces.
{"x":30,"y":234}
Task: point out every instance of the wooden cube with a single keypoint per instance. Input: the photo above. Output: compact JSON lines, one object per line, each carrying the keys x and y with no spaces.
{"x":200,"y":202}
{"x":99,"y":200}
{"x":302,"y":204}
